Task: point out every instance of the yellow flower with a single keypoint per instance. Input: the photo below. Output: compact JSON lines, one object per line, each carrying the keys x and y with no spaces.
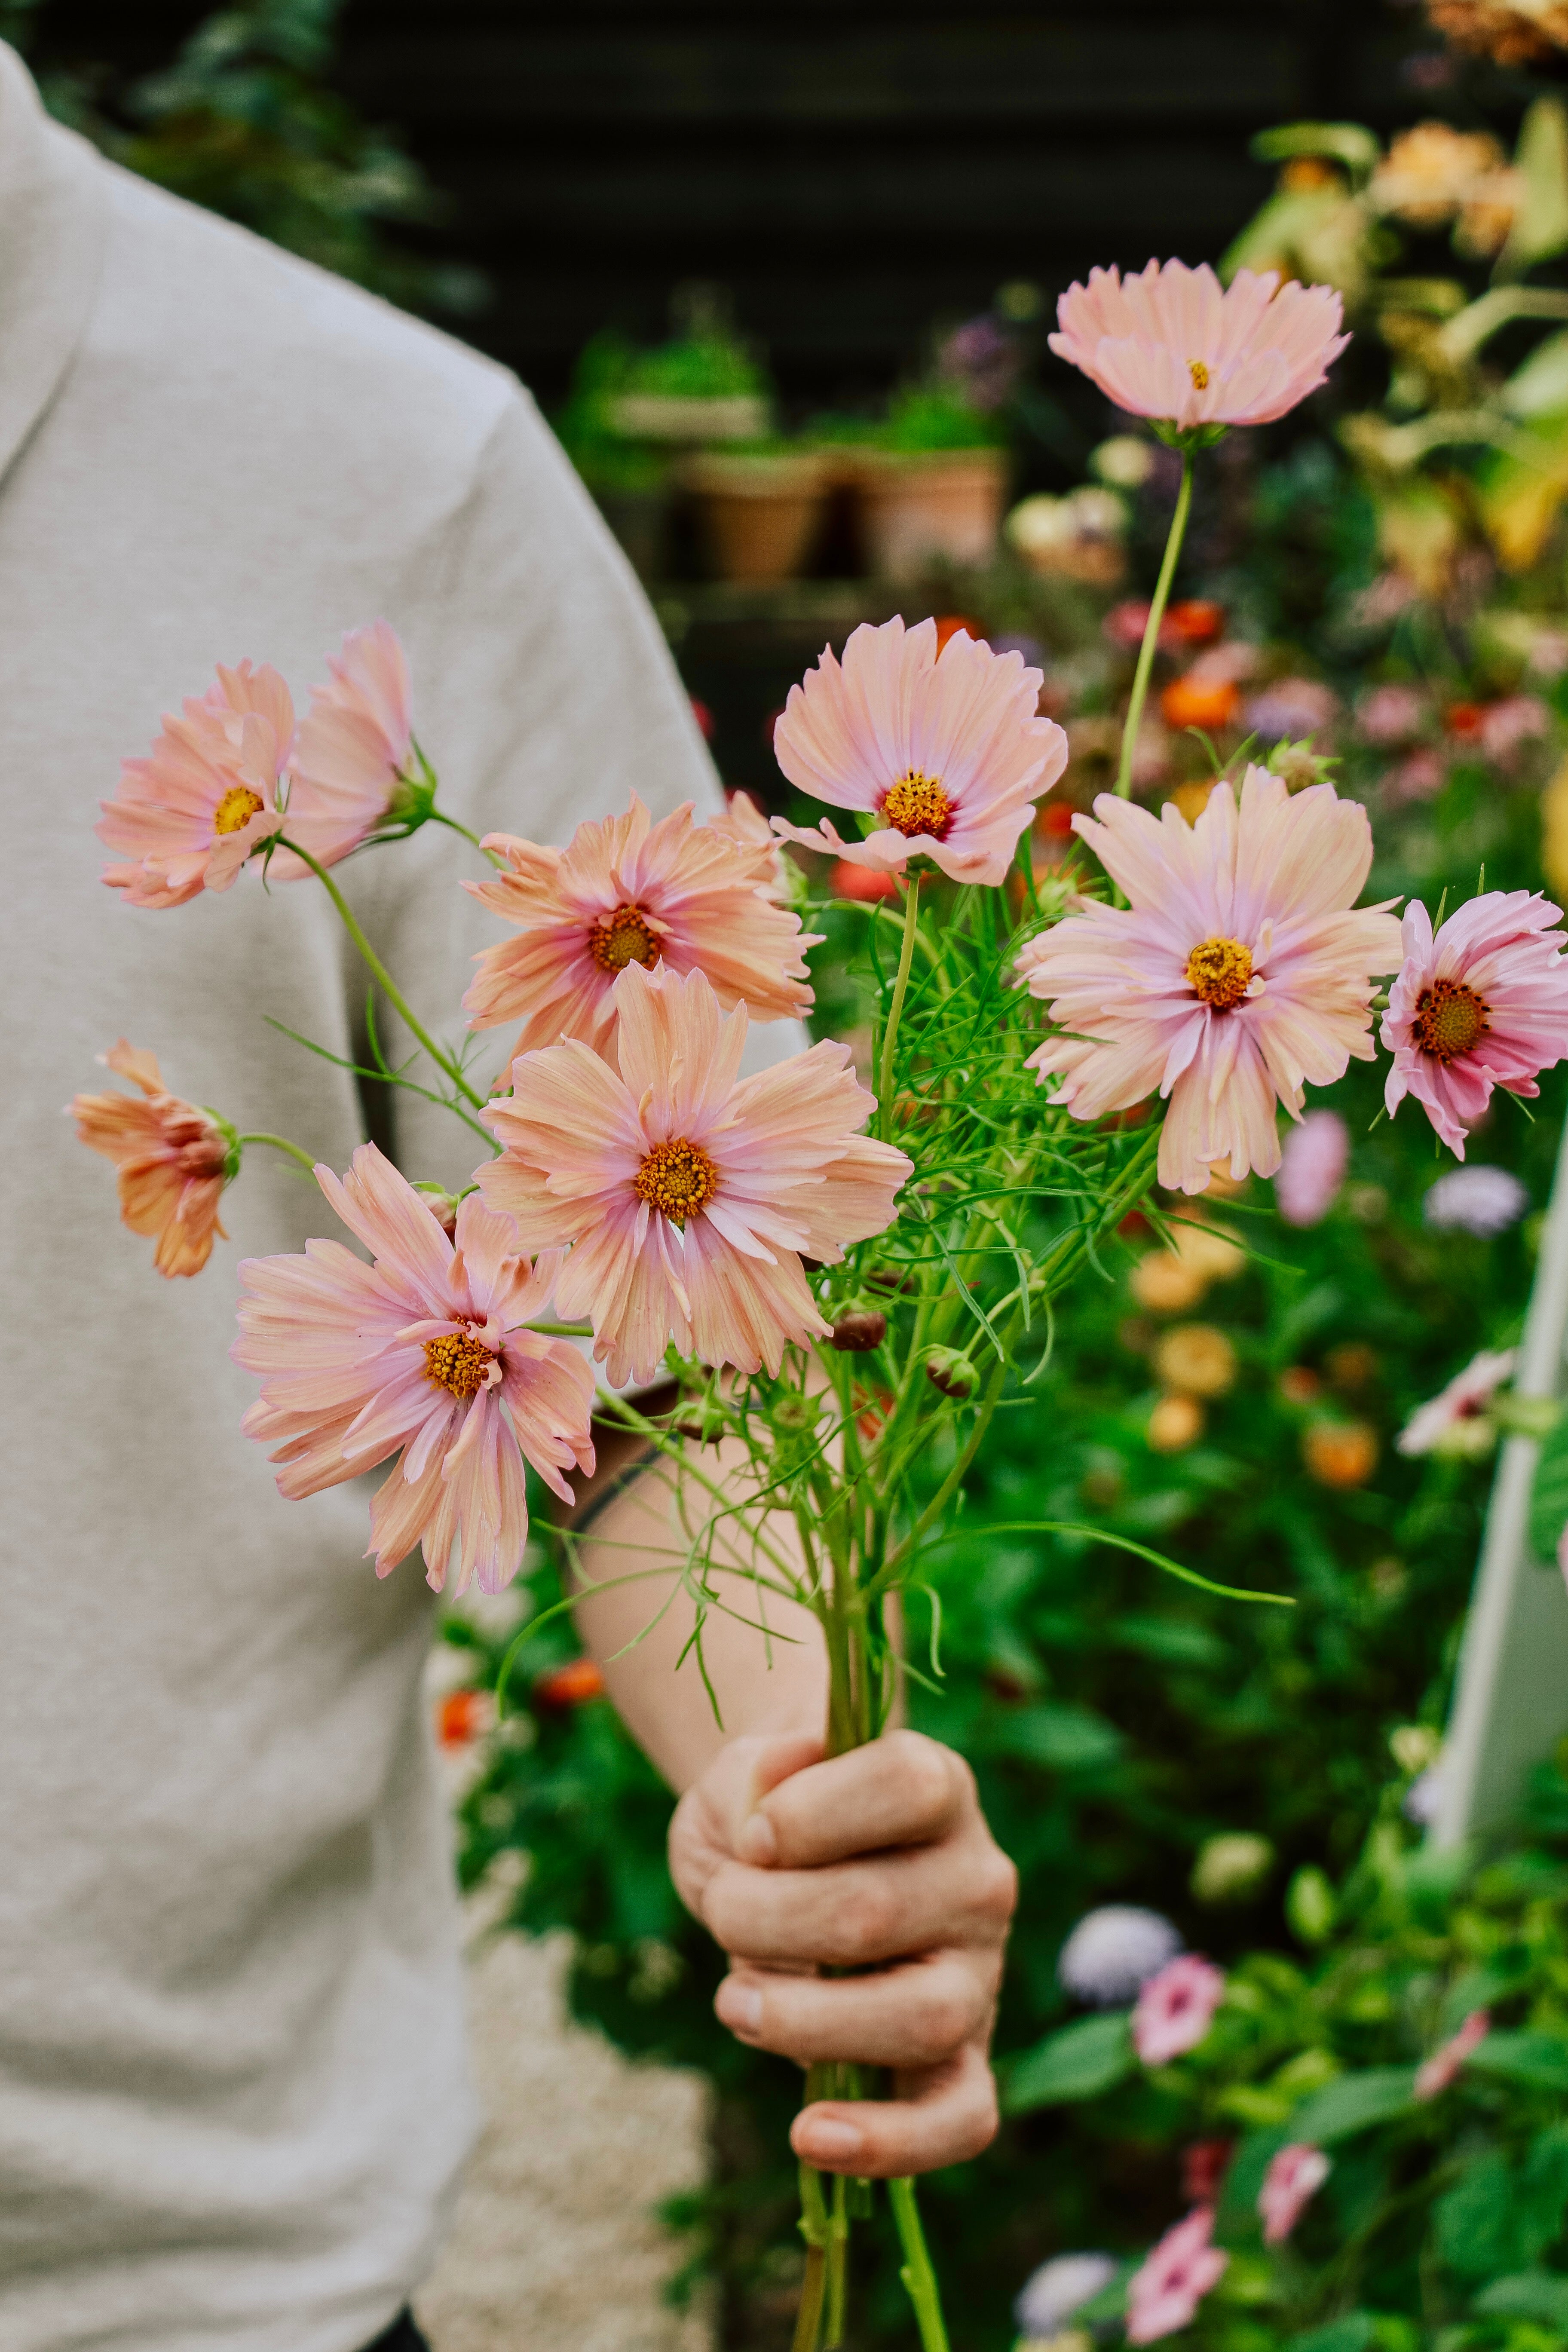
{"x":1176,"y":1422}
{"x":1339,"y":1452}
{"x":1197,"y":1361}
{"x":1169,"y":1281}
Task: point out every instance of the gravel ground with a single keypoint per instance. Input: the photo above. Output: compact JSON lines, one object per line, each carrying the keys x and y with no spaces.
{"x":556,"y":2246}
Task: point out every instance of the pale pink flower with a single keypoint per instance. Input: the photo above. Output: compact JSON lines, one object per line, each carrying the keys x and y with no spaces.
{"x":1163,"y":2294}
{"x":624,"y":891}
{"x":1170,"y":342}
{"x":1483,"y":1004}
{"x":352,"y":749}
{"x":689,"y":1199}
{"x":1392,"y":714}
{"x":186,"y":817}
{"x":947,"y":751}
{"x":1444,"y":1423}
{"x":174,"y":1159}
{"x":1312,"y":1168}
{"x":1294,"y":2176}
{"x":1507,"y":726}
{"x":1445,"y":2063}
{"x":1240,"y":971}
{"x":1291,"y":706}
{"x":1175,"y":2009}
{"x":742,"y":822}
{"x":1421,"y":777}
{"x":425,"y":1353}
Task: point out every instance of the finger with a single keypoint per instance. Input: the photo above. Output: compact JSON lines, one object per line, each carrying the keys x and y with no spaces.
{"x":710,"y":1817}
{"x":849,"y":1914}
{"x":901,"y":1790}
{"x":950,"y":2116}
{"x":916,"y":2015}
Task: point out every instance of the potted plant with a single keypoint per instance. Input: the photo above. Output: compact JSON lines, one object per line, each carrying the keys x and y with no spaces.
{"x":930,"y":484}
{"x":758,"y":509}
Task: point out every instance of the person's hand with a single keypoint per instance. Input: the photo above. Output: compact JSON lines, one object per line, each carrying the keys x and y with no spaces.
{"x":878,"y":1861}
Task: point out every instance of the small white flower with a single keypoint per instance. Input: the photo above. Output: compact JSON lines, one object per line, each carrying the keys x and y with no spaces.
{"x":1112,"y":1953}
{"x":1456,"y":1421}
{"x":1423,"y":1797}
{"x":1060,"y":2288}
{"x":1476,"y":1200}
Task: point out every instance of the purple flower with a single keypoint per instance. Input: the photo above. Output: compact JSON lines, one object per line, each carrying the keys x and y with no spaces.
{"x":1293,"y":707}
{"x":1112,"y":1953}
{"x":1315,"y":1156}
{"x":1476,"y":1200}
{"x":1058,"y":2289}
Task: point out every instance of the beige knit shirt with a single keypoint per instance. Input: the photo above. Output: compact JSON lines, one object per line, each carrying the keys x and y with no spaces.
{"x":232,"y":2089}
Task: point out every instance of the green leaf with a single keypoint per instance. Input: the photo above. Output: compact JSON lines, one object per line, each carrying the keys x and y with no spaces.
{"x":1540,"y":160}
{"x":1543,"y":2192}
{"x":1539,"y":2061}
{"x":1351,"y":2334}
{"x":1353,"y":2102}
{"x":1549,"y":1495}
{"x":1062,"y":1739}
{"x":1475,"y":2221}
{"x":1527,"y":2294}
{"x":1084,"y":2059}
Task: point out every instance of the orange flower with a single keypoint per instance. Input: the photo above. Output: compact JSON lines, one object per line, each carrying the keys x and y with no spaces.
{"x":570,"y":1685}
{"x":1194,"y":619}
{"x":848,"y":881}
{"x":463,"y":1716}
{"x":173,"y":1161}
{"x":1205,"y":702}
{"x":1339,"y":1452}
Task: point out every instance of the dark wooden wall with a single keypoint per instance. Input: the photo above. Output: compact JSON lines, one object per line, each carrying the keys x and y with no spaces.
{"x":848,"y":169}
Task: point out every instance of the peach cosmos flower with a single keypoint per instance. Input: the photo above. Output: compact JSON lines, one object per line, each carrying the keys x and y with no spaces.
{"x":688,"y":1200}
{"x":1164,"y":2291}
{"x":353,"y":746}
{"x":1483,"y":1004}
{"x":1170,"y":342}
{"x":174,"y":1159}
{"x":186,"y":817}
{"x":743,"y":823}
{"x":427,"y":1354}
{"x":1239,"y":972}
{"x":947,"y":751}
{"x":1296,"y":2173}
{"x":624,"y":891}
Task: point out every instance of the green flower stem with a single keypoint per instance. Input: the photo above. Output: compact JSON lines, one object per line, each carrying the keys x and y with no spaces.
{"x":439,"y":816}
{"x":1152,"y":627}
{"x":918,"y":2275}
{"x":814,"y":2230}
{"x":281,"y":1143}
{"x":895,"y":1011}
{"x":838,"y":2262}
{"x":379,"y":972}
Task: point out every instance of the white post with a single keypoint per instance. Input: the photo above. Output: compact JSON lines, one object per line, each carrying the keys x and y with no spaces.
{"x":1510,"y":1702}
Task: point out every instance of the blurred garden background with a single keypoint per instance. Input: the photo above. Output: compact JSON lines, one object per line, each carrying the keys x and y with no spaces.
{"x":783,"y":280}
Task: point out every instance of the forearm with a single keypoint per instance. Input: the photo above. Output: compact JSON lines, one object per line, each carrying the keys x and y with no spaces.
{"x":763,"y":1680}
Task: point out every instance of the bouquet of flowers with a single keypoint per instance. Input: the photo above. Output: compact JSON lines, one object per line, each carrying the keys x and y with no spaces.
{"x":841,"y":1281}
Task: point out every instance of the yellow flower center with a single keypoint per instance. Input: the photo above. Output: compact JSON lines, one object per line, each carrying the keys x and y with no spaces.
{"x":623,"y":938}
{"x":1199,"y":374}
{"x":675,"y":1179}
{"x":917,"y":804}
{"x":235,"y":809}
{"x":458,"y":1363}
{"x":1221,"y":971}
{"x":1449,"y":1017}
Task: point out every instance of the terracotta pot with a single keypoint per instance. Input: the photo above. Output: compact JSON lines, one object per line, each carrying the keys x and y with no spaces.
{"x":758,"y":515}
{"x":944,"y":506}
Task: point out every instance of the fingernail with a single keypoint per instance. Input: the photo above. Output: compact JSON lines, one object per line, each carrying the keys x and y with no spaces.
{"x":830,"y":2139}
{"x":739,"y":2005}
{"x":758,"y":1841}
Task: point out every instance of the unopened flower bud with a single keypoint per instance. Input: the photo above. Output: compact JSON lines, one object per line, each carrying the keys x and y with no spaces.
{"x":442,"y":1207}
{"x":951,"y":1372}
{"x":793,"y":1412}
{"x":859,"y":1329}
{"x":700,"y":1420}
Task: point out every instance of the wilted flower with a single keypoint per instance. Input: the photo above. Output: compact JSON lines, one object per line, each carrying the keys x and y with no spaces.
{"x":1313,"y":1166}
{"x":1239,"y":972}
{"x":1164,"y":2293}
{"x":948,"y":753}
{"x":1169,"y":342}
{"x":1483,"y":1004}
{"x":1476,"y":1200}
{"x":1341,"y":1454}
{"x":174,"y":1159}
{"x":1388,"y":715}
{"x":1195,"y":1359}
{"x":1456,"y":1421}
{"x":1175,"y":2009}
{"x":1231,"y":1867}
{"x":1059,"y":2288}
{"x":1444,"y":2064}
{"x":188,"y":815}
{"x":1296,"y":2173}
{"x":1113,"y":1952}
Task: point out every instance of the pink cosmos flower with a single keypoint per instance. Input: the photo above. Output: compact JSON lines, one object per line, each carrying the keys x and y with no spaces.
{"x":742,"y":823}
{"x":947,"y":751}
{"x":1312,"y":1168}
{"x":1447,"y":1423}
{"x":1171,"y":343}
{"x":629,"y":891}
{"x":1444,"y":2065}
{"x":353,"y":746}
{"x":688,"y":1200}
{"x":1294,"y":2176}
{"x":1392,"y":714}
{"x":186,"y":818}
{"x":1175,"y":2009}
{"x":1510,"y":724}
{"x":174,"y":1159}
{"x":1164,"y":2293}
{"x":1483,"y":1004}
{"x":1239,"y":970}
{"x":427,"y":1354}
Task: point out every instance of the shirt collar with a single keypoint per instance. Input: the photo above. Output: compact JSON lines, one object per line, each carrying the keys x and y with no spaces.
{"x":53,"y":220}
